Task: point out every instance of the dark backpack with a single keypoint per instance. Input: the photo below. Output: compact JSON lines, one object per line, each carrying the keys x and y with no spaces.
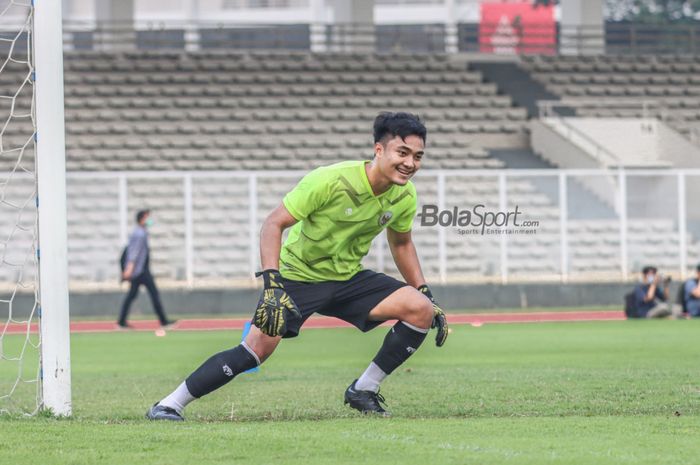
{"x":630,"y":305}
{"x":122,"y":259}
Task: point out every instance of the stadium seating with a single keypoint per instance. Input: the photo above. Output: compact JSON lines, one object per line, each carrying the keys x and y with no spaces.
{"x":213,"y":111}
{"x":223,"y":111}
{"x":626,"y":86}
{"x":136,"y":112}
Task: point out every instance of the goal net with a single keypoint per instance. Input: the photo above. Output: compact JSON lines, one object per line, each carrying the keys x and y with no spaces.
{"x":24,"y":359}
{"x":19,"y":298}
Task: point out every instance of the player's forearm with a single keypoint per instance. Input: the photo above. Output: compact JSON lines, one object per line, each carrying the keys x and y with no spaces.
{"x":270,"y":246}
{"x":271,"y":236}
{"x":406,"y":259}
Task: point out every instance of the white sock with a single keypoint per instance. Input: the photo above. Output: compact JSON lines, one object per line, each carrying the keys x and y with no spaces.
{"x":370,"y":379}
{"x":178,"y":399}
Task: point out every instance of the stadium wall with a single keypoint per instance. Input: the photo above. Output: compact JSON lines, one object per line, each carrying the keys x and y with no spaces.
{"x":240,"y":302}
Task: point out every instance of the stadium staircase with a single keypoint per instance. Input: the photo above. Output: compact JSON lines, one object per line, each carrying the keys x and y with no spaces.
{"x":515,"y":81}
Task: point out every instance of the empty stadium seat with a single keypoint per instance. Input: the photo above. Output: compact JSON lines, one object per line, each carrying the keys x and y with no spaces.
{"x":656,"y":80}
{"x":170,"y":98}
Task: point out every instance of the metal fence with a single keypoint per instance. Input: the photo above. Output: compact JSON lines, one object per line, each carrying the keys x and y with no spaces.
{"x":498,"y":226}
{"x":612,"y":37}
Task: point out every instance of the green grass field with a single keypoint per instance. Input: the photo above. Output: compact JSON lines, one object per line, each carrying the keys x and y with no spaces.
{"x":560,"y":393}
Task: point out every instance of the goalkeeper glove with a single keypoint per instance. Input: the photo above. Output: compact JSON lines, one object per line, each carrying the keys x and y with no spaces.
{"x":275,"y":306}
{"x":439,"y":319}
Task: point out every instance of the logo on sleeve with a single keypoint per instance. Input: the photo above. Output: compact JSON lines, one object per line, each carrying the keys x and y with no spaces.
{"x":385,"y":218}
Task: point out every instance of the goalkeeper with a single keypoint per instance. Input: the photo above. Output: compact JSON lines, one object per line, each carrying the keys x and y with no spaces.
{"x":334,"y":214}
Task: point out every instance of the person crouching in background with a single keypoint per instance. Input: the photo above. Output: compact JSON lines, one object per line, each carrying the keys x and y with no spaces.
{"x":691,"y":291}
{"x":651,"y":296}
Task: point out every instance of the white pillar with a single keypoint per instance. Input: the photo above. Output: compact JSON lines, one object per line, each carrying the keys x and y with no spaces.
{"x":192,"y":28}
{"x":503,"y":205}
{"x":51,"y":180}
{"x":115,"y":21}
{"x":189,"y":230}
{"x":123,"y":211}
{"x":682,"y":227}
{"x":442,"y":239}
{"x":253,"y":232}
{"x":115,"y":10}
{"x":622,"y":183}
{"x":563,"y":227}
{"x":317,"y":29}
{"x":582,"y":29}
{"x":451,"y":32}
{"x":353,"y":25}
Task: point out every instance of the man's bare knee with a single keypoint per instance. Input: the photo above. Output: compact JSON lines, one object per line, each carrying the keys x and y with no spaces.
{"x":262,"y":344}
{"x":419,"y":313}
{"x":406,"y":304}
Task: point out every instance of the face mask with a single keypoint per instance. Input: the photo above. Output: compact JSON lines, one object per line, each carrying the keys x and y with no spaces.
{"x":650,"y":278}
{"x":149,"y":222}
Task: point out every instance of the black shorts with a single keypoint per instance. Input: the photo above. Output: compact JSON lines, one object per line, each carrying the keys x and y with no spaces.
{"x":350,"y":300}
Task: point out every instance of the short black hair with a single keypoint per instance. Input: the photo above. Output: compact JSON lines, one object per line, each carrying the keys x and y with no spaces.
{"x":648,"y":269}
{"x":398,"y":124}
{"x":140,"y":214}
{"x":697,"y":268}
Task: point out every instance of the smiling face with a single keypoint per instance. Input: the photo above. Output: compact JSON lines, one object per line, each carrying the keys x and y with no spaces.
{"x":399,"y":159}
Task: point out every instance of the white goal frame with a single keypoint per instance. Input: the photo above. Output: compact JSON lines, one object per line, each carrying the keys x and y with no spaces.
{"x":51,"y":203}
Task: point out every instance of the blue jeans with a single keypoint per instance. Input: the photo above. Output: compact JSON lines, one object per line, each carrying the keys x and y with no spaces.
{"x":693,"y":308}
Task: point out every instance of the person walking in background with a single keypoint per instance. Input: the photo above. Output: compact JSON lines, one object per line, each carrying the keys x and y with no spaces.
{"x":137,"y":271}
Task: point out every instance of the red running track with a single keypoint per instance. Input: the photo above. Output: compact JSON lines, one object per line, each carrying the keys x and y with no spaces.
{"x":213,"y":324}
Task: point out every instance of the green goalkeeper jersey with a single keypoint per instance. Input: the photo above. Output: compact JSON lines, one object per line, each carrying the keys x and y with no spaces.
{"x":339,"y":216}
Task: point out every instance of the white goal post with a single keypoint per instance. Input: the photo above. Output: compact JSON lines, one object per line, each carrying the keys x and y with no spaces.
{"x":51,"y":203}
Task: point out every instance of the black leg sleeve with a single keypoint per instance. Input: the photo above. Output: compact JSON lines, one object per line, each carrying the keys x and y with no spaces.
{"x":399,"y":344}
{"x":219,"y":370}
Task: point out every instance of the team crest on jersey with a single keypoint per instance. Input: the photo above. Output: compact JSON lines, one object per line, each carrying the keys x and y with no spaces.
{"x":385,"y":218}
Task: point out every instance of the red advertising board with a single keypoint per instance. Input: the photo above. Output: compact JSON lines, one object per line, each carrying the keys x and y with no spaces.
{"x":517,"y":27}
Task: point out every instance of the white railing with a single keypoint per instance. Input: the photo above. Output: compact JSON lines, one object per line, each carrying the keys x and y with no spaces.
{"x":547,"y":112}
{"x":601,"y":154}
{"x":654,"y":196}
{"x":644,"y":108}
{"x":547,"y":108}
